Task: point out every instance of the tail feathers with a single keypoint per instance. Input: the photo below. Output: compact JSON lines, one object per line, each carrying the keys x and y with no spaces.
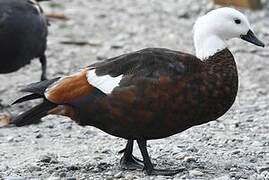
{"x":34,"y":114}
{"x":39,"y":87}
{"x":27,"y":98}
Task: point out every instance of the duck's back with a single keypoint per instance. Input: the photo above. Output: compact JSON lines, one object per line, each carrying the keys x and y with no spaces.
{"x":23,"y":33}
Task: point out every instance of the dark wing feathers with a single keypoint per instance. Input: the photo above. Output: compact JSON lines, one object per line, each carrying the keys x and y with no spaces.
{"x":146,"y":65}
{"x":150,"y":62}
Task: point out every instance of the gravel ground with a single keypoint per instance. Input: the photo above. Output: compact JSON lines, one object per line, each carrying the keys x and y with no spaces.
{"x":234,"y":147}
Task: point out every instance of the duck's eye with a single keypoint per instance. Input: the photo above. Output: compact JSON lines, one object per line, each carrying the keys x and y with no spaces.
{"x":237,"y":21}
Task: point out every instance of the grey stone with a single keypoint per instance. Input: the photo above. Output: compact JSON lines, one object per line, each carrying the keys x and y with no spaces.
{"x":48,"y":158}
{"x":262,"y":168}
{"x":38,"y":136}
{"x":62,"y":174}
{"x":71,"y":178}
{"x":10,"y":139}
{"x":118,"y":175}
{"x":53,"y":178}
{"x":34,"y":167}
{"x":236,"y":151}
{"x":189,"y":159}
{"x":225,"y":177}
{"x":50,"y":126}
{"x":195,"y":172}
{"x":68,"y":126}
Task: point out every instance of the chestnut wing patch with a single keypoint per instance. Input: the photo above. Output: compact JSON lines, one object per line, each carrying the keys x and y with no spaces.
{"x":70,"y":88}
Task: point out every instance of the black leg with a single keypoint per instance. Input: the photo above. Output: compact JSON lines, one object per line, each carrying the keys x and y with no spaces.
{"x":148,"y":165}
{"x":128,"y":161}
{"x":43,"y":61}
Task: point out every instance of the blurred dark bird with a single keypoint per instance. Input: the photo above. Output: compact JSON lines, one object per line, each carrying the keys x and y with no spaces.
{"x":23,"y":35}
{"x":152,"y":93}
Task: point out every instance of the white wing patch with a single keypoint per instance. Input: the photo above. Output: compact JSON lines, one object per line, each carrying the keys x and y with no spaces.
{"x":105,"y":83}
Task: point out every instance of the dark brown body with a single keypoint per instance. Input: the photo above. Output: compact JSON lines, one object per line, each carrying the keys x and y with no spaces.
{"x":162,"y":92}
{"x":169,"y":104}
{"x":155,"y":93}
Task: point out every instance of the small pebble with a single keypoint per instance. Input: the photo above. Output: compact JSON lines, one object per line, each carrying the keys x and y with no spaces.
{"x":68,"y":126}
{"x":45,"y":159}
{"x":159,"y":178}
{"x":87,"y":132}
{"x":195,"y":173}
{"x":71,"y":178}
{"x":259,"y":177}
{"x":3,"y":169}
{"x":265,"y":174}
{"x":38,"y":136}
{"x":109,"y":173}
{"x":118,"y":175}
{"x":33,"y":141}
{"x":53,"y":178}
{"x":236,"y":151}
{"x":233,"y":169}
{"x":262,"y":169}
{"x":192,"y":149}
{"x":226,"y":177}
{"x":34,"y":168}
{"x":10,"y":139}
{"x":68,"y":136}
{"x":62,"y":174}
{"x":50,"y":126}
{"x":73,"y":168}
{"x":189,"y":159}
{"x":117,"y":46}
{"x":131,"y":177}
{"x":49,"y":158}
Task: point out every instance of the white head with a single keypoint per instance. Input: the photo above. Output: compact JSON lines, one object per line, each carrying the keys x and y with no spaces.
{"x":212,"y":30}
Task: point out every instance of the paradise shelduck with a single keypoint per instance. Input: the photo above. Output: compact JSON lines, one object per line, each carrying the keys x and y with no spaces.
{"x":152,"y":93}
{"x":23,"y":35}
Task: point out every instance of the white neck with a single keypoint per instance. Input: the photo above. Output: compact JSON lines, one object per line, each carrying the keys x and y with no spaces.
{"x":207,"y":39}
{"x":206,"y":46}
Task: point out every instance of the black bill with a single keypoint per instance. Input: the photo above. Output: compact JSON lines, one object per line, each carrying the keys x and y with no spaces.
{"x":250,"y":37}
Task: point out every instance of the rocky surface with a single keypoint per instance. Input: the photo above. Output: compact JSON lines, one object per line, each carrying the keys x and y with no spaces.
{"x":234,"y":147}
